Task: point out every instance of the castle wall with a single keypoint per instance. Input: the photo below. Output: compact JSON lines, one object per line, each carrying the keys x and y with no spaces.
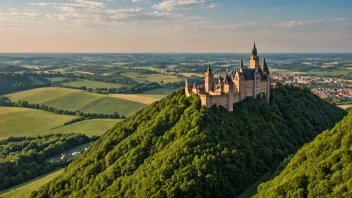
{"x":223,"y":100}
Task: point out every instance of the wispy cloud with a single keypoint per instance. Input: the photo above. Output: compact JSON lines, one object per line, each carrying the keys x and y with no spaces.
{"x":177,"y":4}
{"x":306,"y":22}
{"x":213,"y":5}
{"x":83,"y":12}
{"x":248,"y":26}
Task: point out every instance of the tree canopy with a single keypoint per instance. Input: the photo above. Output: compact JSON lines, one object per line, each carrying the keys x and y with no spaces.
{"x":322,"y":168}
{"x":176,"y":148}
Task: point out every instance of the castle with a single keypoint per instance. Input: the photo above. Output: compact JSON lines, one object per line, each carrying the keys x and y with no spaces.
{"x":234,"y":87}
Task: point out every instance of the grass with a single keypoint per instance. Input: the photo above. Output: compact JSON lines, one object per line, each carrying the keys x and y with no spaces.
{"x":145,"y":99}
{"x":338,"y":73}
{"x":157,"y":93}
{"x":141,"y":78}
{"x":57,"y":79}
{"x":346,"y":106}
{"x":92,"y":84}
{"x":25,"y":189}
{"x":16,"y":121}
{"x":77,"y":100}
{"x":89,"y":127}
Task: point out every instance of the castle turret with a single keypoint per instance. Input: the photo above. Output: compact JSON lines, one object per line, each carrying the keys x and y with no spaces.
{"x":208,"y":79}
{"x":241,"y":66}
{"x":265,"y":68}
{"x":254,"y":59}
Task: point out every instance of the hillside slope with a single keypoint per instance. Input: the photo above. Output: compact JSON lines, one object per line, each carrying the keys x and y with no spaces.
{"x":176,"y":148}
{"x":321,"y":168}
{"x":77,"y":100}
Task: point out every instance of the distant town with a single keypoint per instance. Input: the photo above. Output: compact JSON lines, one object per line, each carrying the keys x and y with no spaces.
{"x":331,"y":89}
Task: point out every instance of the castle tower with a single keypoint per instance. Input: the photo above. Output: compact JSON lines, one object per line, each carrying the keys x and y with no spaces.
{"x":208,"y":80}
{"x":241,"y":66}
{"x":267,"y":73}
{"x":254,"y":60}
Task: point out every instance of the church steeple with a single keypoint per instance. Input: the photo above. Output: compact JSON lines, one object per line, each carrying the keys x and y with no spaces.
{"x":209,"y":69}
{"x":254,"y":50}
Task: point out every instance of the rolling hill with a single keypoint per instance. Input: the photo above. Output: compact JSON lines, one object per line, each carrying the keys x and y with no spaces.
{"x":77,"y":100}
{"x":28,"y":122}
{"x":321,"y":168}
{"x":176,"y":148}
{"x":16,"y":121}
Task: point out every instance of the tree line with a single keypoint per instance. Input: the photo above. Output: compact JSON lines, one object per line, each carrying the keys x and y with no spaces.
{"x":4,"y":101}
{"x":24,"y":158}
{"x":177,"y":148}
{"x":12,"y":82}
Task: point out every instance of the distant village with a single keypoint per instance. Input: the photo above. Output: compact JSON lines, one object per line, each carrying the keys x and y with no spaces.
{"x":336,"y":90}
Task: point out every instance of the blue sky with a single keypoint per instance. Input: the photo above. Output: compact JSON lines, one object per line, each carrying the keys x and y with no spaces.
{"x":175,"y":25}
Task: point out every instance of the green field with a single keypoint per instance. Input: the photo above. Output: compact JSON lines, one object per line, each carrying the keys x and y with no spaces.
{"x":25,"y":189}
{"x":91,"y":84}
{"x":89,"y":127}
{"x":142,"y":78}
{"x":157,"y":93}
{"x":28,"y":122}
{"x":57,"y":79}
{"x":76,"y":100}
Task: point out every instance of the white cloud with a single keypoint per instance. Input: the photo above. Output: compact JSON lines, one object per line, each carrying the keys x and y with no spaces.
{"x":177,"y":4}
{"x":249,"y":26}
{"x":213,"y":5}
{"x":140,"y":1}
{"x":306,"y":22}
{"x":83,"y":12}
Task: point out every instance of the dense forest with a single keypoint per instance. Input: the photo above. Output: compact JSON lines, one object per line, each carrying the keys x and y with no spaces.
{"x":11,"y":82}
{"x":176,"y":148}
{"x":24,"y":158}
{"x":322,"y":168}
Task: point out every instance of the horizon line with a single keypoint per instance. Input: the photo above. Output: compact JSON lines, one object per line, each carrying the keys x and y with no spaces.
{"x":294,"y":52}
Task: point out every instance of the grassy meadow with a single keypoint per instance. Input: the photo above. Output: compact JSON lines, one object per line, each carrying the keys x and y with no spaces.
{"x":142,"y":78}
{"x":77,"y":100}
{"x":89,"y":127}
{"x":25,"y":189}
{"x":157,"y":93}
{"x":91,"y":84}
{"x":28,"y":122}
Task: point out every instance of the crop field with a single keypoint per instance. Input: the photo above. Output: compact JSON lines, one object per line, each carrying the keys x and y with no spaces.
{"x":92,"y":84}
{"x":345,"y":106}
{"x":25,"y":189}
{"x":157,"y":93}
{"x":77,"y":100}
{"x":142,"y":78}
{"x":89,"y":127}
{"x":28,"y":122}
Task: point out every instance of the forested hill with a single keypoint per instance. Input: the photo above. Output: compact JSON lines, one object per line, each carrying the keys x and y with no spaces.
{"x":322,"y":168}
{"x":12,"y":82}
{"x":176,"y":148}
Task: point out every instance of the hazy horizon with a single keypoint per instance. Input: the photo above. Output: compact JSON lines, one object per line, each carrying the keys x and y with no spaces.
{"x":175,"y":26}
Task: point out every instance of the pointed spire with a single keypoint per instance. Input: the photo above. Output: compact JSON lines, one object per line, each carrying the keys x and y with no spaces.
{"x":226,"y":79}
{"x":254,"y":47}
{"x":265,"y":66}
{"x":254,"y":50}
{"x":186,"y":82}
{"x":209,"y":69}
{"x":194,"y":85}
{"x":241,"y":64}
